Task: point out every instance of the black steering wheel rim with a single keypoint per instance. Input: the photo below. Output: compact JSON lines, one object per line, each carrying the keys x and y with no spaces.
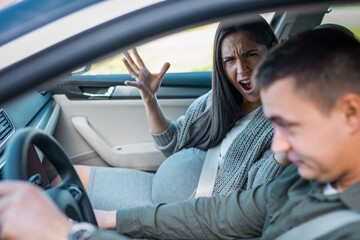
{"x":70,"y":195}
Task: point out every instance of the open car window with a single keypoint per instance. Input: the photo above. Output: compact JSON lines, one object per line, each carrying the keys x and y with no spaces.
{"x":187,"y":51}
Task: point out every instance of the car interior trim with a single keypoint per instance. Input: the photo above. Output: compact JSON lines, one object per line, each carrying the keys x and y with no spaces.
{"x":124,"y":156}
{"x":98,"y":13}
{"x":7,"y":129}
{"x":32,"y":15}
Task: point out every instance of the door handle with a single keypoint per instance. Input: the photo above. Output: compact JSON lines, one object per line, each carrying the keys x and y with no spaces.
{"x":105,"y":95}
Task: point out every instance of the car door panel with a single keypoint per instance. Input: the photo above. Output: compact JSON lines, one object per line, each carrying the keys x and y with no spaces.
{"x":113,"y":130}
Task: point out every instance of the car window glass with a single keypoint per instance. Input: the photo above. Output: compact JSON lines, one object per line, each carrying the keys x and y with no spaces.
{"x":347,"y":16}
{"x":186,"y":51}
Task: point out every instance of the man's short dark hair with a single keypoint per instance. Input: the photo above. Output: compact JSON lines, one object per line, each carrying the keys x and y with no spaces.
{"x":325,"y":64}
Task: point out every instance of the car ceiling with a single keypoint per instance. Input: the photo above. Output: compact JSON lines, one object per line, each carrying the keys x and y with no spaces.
{"x":130,"y":30}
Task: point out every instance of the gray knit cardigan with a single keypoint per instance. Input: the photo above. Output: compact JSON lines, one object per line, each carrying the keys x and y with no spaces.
{"x":248,"y":162}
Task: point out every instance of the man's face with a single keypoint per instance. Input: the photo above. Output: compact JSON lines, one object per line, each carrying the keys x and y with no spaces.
{"x":314,"y":141}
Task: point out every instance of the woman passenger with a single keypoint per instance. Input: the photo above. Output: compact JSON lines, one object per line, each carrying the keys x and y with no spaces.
{"x":230,"y":115}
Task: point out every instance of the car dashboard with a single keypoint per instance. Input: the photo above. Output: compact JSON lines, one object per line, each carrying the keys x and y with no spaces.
{"x":36,"y":110}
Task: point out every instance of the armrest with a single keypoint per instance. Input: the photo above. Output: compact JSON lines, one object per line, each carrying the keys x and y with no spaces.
{"x":142,"y":156}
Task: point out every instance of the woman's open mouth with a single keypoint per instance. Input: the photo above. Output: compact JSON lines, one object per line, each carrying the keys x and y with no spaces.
{"x":245,"y":84}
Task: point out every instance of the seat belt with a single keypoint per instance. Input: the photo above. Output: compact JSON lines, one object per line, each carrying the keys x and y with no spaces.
{"x":208,"y":173}
{"x":321,"y":225}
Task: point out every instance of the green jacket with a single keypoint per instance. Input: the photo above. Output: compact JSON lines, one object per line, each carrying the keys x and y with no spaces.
{"x":266,"y":211}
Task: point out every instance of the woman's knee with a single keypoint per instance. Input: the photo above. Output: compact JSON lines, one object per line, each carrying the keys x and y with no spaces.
{"x":84,"y":174}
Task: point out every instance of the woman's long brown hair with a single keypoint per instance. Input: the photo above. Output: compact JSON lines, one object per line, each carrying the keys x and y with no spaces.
{"x":211,"y":126}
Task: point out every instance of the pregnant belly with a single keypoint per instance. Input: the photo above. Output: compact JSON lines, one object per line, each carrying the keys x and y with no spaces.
{"x":178,"y":176}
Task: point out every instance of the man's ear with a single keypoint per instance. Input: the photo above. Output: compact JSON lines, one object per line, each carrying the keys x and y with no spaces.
{"x":350,"y":107}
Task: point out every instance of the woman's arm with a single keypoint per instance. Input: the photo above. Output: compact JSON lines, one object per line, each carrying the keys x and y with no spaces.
{"x":169,"y":136}
{"x":176,"y":135}
{"x":148,"y":84}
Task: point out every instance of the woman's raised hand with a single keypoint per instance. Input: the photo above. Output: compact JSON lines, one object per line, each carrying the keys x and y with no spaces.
{"x":146,"y":82}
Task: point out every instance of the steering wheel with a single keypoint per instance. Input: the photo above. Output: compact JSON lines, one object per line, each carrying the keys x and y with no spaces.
{"x":70,"y":195}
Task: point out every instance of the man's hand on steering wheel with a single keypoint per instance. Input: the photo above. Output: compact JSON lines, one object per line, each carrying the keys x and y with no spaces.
{"x":70,"y":195}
